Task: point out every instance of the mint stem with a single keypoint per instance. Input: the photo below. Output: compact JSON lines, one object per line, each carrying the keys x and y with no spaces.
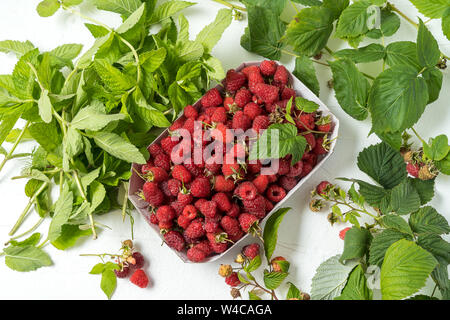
{"x":83,"y":195}
{"x":26,"y":232}
{"x":232,"y":6}
{"x":10,"y":153}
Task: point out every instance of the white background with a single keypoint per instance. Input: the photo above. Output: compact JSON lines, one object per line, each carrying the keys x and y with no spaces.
{"x":306,"y":238}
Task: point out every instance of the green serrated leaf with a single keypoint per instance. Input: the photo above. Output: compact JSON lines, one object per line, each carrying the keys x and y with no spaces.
{"x":370,"y":53}
{"x":431,"y":8}
{"x":270,"y":234}
{"x":428,"y":220}
{"x":63,"y":209}
{"x":118,"y":147}
{"x":211,"y":34}
{"x":353,"y":20}
{"x":356,"y":243}
{"x":47,"y":8}
{"x":27,"y":258}
{"x":428,"y":51}
{"x":381,"y":242}
{"x":356,"y":287}
{"x":306,"y":73}
{"x":272,"y":280}
{"x":437,"y":149}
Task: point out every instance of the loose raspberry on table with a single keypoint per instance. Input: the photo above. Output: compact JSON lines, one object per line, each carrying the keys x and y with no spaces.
{"x":139,"y":278}
{"x":251,"y":251}
{"x":123,"y":272}
{"x":201,"y":187}
{"x":212,"y":98}
{"x":225,"y":270}
{"x":139,"y":261}
{"x":324,"y":187}
{"x":175,"y":240}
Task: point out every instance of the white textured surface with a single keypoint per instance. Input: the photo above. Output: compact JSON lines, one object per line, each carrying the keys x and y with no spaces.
{"x":306,"y":238}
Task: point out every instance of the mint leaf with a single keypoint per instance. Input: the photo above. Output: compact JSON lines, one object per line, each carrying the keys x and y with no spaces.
{"x":112,"y":77}
{"x":19,"y":48}
{"x":351,"y":87}
{"x":381,"y":242}
{"x":270,"y":233}
{"x":124,"y":7}
{"x":356,"y":243}
{"x":309,"y":2}
{"x":93,"y":117}
{"x":428,"y":220}
{"x":27,"y":258}
{"x":383,"y":164}
{"x":353,"y":20}
{"x":308,"y":33}
{"x":152,"y":60}
{"x":168,"y":9}
{"x":118,"y":147}
{"x":69,"y":236}
{"x":405,"y":270}
{"x":133,"y":20}
{"x":306,"y":73}
{"x":47,"y":8}
{"x":397,"y":99}
{"x":370,"y":53}
{"x":428,"y":51}
{"x":211,"y":34}
{"x":63,"y":209}
{"x":33,"y":240}
{"x":356,"y":287}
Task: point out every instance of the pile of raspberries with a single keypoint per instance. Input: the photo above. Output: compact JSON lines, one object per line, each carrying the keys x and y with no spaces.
{"x":204,"y":208}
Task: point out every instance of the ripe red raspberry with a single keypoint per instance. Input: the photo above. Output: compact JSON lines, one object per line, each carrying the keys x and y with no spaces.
{"x":413,"y":169}
{"x":324,"y":124}
{"x":165,"y":225}
{"x":177,"y":124}
{"x":241,"y":121}
{"x":139,"y":278}
{"x":153,"y":219}
{"x":217,"y":246}
{"x":256,"y":206}
{"x":222,"y":201}
{"x":190,"y":212}
{"x":236,"y":236}
{"x":201,"y":187}
{"x":269,"y":205}
{"x":123,"y":272}
{"x":165,"y":214}
{"x":212,"y":98}
{"x":246,"y":191}
{"x":261,"y":123}
{"x":252,"y":110}
{"x":267,"y":92}
{"x":250,"y":69}
{"x":243,"y":97}
{"x":230,"y":225}
{"x":268,"y":67}
{"x":189,"y":125}
{"x":190,"y":112}
{"x":139,"y":261}
{"x":247,"y":221}
{"x":219,"y":115}
{"x":208,"y":209}
{"x":211,"y":225}
{"x":232,"y":169}
{"x":155,"y":149}
{"x":254,"y":78}
{"x":182,"y":174}
{"x":321,"y":147}
{"x":157,"y":174}
{"x":178,"y":207}
{"x":234,"y":80}
{"x":284,"y":166}
{"x":251,"y":251}
{"x":228,"y":103}
{"x":232,"y":280}
{"x":209,"y":111}
{"x":222,"y":184}
{"x":205,"y":247}
{"x":275,"y":193}
{"x":174,"y":186}
{"x":254,"y":167}
{"x":257,"y":100}
{"x":196,"y":255}
{"x":305,"y":122}
{"x":281,"y":75}
{"x":184,"y":198}
{"x":287,"y":94}
{"x":234,"y":211}
{"x":183,"y":221}
{"x":343,"y":232}
{"x":162,"y":161}
{"x":194,"y":169}
{"x":296,"y":169}
{"x":175,"y":240}
{"x":213,"y":168}
{"x":323,"y":187}
{"x":311,"y":140}
{"x":261,"y":182}
{"x":288,"y":183}
{"x":307,"y":168}
{"x":145,"y":168}
{"x":152,"y":194}
{"x":195,"y":229}
{"x":272,"y":178}
{"x":168,"y":144}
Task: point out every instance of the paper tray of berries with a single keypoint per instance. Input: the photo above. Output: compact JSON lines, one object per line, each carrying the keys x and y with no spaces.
{"x":232,"y":159}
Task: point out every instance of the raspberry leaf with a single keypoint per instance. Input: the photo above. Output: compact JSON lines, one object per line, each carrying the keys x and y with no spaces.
{"x":309,"y":2}
{"x":427,"y":47}
{"x":437,"y":149}
{"x":356,"y":287}
{"x":446,"y":23}
{"x":293,"y":292}
{"x":428,"y":220}
{"x":381,"y":242}
{"x":306,"y":73}
{"x":370,"y":53}
{"x":356,"y":243}
{"x":211,"y":34}
{"x":273,"y":280}
{"x":270,"y":233}
{"x":353,"y":20}
{"x":431,"y":8}
{"x":395,"y":222}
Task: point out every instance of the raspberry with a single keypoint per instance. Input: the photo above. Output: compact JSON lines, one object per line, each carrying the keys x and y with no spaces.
{"x":241,"y":121}
{"x":267,"y":92}
{"x":307,"y":168}
{"x":343,"y":232}
{"x":178,"y":207}
{"x":413,"y":169}
{"x":177,"y":124}
{"x":157,"y":174}
{"x":162,"y":161}
{"x":165,"y":214}
{"x":232,"y":170}
{"x":213,"y":168}
{"x":210,"y":111}
{"x":251,"y":251}
{"x":155,"y":149}
{"x":311,"y":140}
{"x":196,"y":255}
{"x":145,"y":168}
{"x":261,"y":123}
{"x":281,"y":75}
{"x":182,"y":174}
{"x":321,"y":147}
{"x":209,"y":209}
{"x":323,"y":187}
{"x":190,"y":212}
{"x":152,"y":194}
{"x":222,"y":184}
{"x":247,"y":221}
{"x":195,"y":230}
{"x":232,"y":280}
{"x":184,"y":198}
{"x":205,"y":247}
{"x":305,"y":122}
{"x":250,"y":69}
{"x":261,"y":182}
{"x":212,"y":98}
{"x":189,"y":125}
{"x":288,"y":93}
{"x":252,"y":110}
{"x":190,"y":112}
{"x":242,"y":97}
{"x":165,"y":225}
{"x":193,"y":169}
{"x":222,"y":201}
{"x":296,"y":170}
{"x":272,"y":178}
{"x":217,"y":246}
{"x":183,"y":221}
{"x":234,"y":80}
{"x":254,"y":167}
{"x":275,"y":266}
{"x":268,"y":67}
{"x":234,"y":211}
{"x":225,"y":270}
{"x":230,"y":225}
{"x":154,"y":219}
{"x":256,"y":206}
{"x":228,"y":103}
{"x":139,"y":261}
{"x":284,"y":166}
{"x":175,"y":240}
{"x":174,"y":186}
{"x":211,"y":225}
{"x":246,"y":191}
{"x":139,"y":278}
{"x":219,"y":115}
{"x":236,"y":236}
{"x":168,"y":144}
{"x":269,"y":205}
{"x":254,"y":78}
{"x":275,"y":193}
{"x":288,"y":183}
{"x":123,"y":272}
{"x":201,"y":187}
